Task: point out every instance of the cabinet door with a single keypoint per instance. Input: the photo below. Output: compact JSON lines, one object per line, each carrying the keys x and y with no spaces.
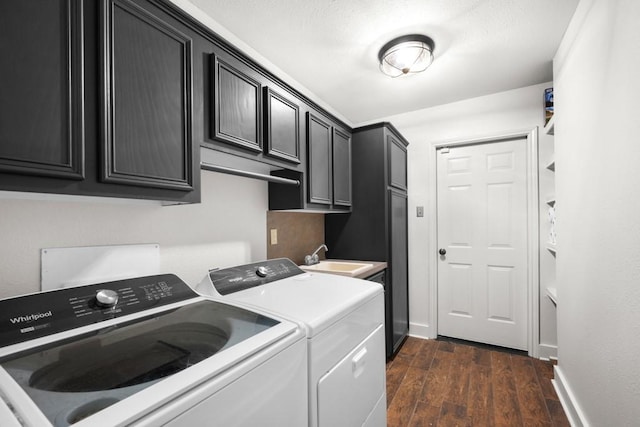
{"x":398,"y":266}
{"x":147,"y":99}
{"x":42,"y":101}
{"x":397,"y":153}
{"x":282,"y":126}
{"x":341,"y":168}
{"x":319,"y":158}
{"x":237,"y":106}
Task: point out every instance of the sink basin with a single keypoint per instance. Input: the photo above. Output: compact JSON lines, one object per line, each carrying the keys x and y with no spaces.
{"x":344,"y":268}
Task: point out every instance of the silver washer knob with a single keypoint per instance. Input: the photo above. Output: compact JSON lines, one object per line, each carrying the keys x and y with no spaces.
{"x":106,"y":298}
{"x":262,"y":271}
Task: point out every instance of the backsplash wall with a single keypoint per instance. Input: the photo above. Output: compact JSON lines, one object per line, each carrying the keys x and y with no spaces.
{"x":299,"y":234}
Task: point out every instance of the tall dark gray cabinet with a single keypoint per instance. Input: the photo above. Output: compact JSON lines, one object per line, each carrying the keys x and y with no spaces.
{"x":376,"y":229}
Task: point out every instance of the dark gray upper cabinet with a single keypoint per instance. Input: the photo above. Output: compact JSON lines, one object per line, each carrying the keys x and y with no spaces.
{"x":147,"y":107}
{"x":328,"y":171}
{"x":319,"y":165}
{"x":237,"y":106}
{"x":282,"y":126}
{"x":98,"y":100}
{"x":341,"y":168}
{"x":41,"y":106}
{"x":397,"y":163}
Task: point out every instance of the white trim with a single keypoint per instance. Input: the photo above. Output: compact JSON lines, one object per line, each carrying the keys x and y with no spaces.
{"x":547,"y":352}
{"x":533,"y":285}
{"x":533,"y":231}
{"x":420,"y":331}
{"x":568,"y":400}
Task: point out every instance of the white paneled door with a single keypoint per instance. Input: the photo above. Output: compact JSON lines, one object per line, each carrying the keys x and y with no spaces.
{"x":482,"y":241}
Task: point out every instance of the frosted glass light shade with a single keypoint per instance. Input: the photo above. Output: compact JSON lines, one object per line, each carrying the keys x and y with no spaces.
{"x":406,"y":55}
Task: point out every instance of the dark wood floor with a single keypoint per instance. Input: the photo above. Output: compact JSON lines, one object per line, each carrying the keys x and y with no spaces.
{"x":445,"y":383}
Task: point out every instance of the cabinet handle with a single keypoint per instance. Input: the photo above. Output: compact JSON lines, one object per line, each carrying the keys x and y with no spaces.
{"x":442,"y":251}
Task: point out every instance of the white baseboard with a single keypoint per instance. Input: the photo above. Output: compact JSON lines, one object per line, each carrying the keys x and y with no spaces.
{"x":568,"y":400}
{"x":547,"y":351}
{"x":422,"y":331}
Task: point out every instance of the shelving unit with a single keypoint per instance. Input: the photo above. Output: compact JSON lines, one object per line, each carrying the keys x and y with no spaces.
{"x":551,"y":290}
{"x":550,"y":127}
{"x":547,"y":292}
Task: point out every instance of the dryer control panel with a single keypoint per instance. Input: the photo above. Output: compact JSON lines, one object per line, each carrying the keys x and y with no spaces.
{"x":33,"y":316}
{"x":234,"y":279}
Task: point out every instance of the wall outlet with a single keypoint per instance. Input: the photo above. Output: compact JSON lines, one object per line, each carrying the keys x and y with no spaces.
{"x":274,"y":236}
{"x":420,"y":211}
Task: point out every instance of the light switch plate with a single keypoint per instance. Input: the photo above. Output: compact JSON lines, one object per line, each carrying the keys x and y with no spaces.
{"x":274,"y":236}
{"x":420,"y":211}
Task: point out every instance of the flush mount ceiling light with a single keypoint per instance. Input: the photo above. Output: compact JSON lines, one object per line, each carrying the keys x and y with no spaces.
{"x":406,"y":55}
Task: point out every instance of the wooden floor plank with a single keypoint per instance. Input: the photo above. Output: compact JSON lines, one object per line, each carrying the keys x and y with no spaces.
{"x":395,"y":374}
{"x":404,"y":402}
{"x":526,"y":422}
{"x":480,"y":400}
{"x":453,"y":415}
{"x":410,"y":348}
{"x":505,"y":400}
{"x":458,"y":383}
{"x":558,"y":417}
{"x":437,"y":379}
{"x":544,"y":372}
{"x":531,"y":400}
{"x":481,"y":356}
{"x":425,"y":415}
{"x":424,"y":358}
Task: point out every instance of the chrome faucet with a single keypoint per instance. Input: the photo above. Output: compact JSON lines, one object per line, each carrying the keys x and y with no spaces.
{"x":313,"y":258}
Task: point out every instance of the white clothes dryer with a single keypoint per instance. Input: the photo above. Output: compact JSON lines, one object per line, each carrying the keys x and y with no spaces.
{"x":344,"y":319}
{"x":147,"y":351}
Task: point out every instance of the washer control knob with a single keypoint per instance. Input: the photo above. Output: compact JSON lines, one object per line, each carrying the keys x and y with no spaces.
{"x":262,"y":271}
{"x":106,"y":298}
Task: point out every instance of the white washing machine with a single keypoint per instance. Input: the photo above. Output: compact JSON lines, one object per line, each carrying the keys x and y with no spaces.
{"x":344,"y":318}
{"x":147,"y":351}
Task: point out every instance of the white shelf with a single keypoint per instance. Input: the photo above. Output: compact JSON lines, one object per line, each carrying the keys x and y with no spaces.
{"x":549,"y":128}
{"x":552,"y":293}
{"x":551,"y":165}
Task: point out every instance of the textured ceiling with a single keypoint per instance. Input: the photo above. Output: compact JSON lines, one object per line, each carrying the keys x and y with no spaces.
{"x":331,"y":46}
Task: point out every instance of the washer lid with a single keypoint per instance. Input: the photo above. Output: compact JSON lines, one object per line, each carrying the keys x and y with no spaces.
{"x":73,"y":377}
{"x":316,"y":299}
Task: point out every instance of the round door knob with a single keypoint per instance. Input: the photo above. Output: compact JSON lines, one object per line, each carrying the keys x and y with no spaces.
{"x":442,"y":251}
{"x":262,"y":271}
{"x":106,"y":298}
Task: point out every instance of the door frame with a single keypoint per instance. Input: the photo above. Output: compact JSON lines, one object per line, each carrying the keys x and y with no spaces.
{"x":533,"y":230}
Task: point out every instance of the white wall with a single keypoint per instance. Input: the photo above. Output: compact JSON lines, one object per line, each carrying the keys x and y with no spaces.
{"x":227,"y":228}
{"x":501,"y":113}
{"x":597,"y":96}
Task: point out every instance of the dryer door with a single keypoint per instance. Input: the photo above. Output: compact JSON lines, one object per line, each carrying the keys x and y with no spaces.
{"x":361,"y":373}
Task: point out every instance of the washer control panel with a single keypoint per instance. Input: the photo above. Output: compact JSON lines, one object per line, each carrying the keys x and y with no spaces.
{"x":33,"y":316}
{"x":235,"y":279}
